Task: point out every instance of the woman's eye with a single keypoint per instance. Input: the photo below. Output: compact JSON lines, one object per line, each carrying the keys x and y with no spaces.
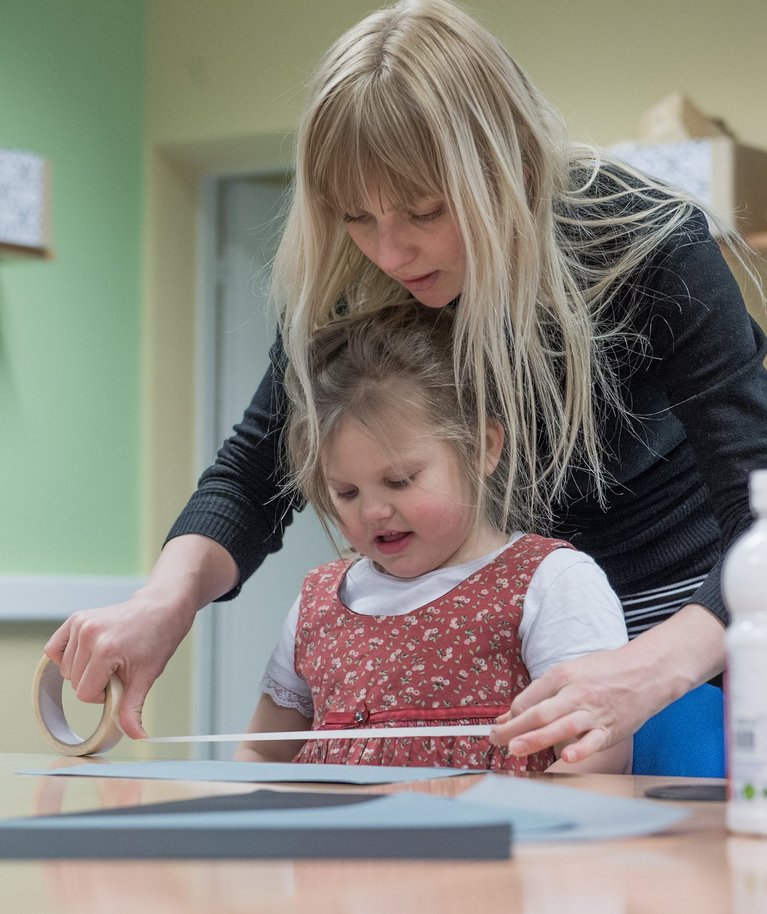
{"x":430,"y":216}
{"x":350,"y":218}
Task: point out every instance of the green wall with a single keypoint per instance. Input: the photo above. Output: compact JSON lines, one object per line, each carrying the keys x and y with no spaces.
{"x":72,"y":89}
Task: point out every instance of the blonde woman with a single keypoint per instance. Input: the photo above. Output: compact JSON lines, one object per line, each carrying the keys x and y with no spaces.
{"x":431,"y":171}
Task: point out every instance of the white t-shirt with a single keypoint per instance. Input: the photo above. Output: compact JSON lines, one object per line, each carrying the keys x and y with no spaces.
{"x":569,"y":610}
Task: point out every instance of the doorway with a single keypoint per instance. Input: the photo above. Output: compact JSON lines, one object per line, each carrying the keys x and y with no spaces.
{"x":234,"y":640}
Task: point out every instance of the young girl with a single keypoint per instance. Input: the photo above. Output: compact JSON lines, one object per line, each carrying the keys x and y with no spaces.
{"x":439,"y":616}
{"x":630,"y":379}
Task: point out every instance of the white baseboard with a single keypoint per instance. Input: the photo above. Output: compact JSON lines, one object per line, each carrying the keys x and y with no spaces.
{"x":42,"y":598}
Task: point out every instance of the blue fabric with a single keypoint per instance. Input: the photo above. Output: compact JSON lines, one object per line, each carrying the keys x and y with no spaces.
{"x":686,"y":739}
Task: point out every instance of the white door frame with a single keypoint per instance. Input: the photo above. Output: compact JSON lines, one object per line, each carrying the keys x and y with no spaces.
{"x":221,"y":630}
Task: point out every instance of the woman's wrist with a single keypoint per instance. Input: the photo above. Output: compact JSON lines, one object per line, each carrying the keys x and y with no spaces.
{"x":191,"y":572}
{"x":680,"y":653}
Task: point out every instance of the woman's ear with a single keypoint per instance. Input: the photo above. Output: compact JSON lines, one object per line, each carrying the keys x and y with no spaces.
{"x":494,"y":438}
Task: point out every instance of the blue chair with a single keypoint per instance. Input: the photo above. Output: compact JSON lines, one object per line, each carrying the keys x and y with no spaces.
{"x":686,"y":739}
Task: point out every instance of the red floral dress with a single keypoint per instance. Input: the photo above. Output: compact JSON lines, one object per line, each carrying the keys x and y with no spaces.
{"x":456,"y":660}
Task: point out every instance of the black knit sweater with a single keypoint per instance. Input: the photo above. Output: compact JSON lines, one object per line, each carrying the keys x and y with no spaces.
{"x":679,"y":470}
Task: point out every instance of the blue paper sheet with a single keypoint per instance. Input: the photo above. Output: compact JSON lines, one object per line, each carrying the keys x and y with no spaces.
{"x":252,"y":772}
{"x":533,"y":810}
{"x":270,"y":824}
{"x":595,"y":816}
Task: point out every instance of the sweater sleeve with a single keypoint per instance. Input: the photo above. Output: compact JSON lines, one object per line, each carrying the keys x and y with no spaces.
{"x":710,"y":357}
{"x":239,"y":502}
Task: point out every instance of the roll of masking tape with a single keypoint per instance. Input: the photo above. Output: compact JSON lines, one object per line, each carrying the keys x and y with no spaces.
{"x":47,"y":700}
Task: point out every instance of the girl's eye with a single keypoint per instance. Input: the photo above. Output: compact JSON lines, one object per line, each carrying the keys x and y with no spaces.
{"x":401,"y":483}
{"x":430,"y":216}
{"x":346,"y":494}
{"x":350,"y":218}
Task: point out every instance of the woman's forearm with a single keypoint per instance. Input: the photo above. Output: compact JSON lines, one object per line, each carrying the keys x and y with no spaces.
{"x":681,"y":653}
{"x":191,"y":572}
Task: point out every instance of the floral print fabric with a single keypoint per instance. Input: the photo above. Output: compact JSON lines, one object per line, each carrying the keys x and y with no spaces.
{"x":456,"y":660}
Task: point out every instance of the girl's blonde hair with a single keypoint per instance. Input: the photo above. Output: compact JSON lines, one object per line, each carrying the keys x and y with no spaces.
{"x":418,"y":102}
{"x":385,"y":370}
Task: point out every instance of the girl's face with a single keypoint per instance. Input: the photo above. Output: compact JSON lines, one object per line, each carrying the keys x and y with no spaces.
{"x":419,"y":247}
{"x":408,"y":507}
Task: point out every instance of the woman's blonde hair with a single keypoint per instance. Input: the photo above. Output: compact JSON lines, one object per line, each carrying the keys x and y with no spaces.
{"x":418,"y":102}
{"x":386,"y":370}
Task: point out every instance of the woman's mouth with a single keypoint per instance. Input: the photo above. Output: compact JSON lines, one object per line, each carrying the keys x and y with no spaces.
{"x":420,"y":283}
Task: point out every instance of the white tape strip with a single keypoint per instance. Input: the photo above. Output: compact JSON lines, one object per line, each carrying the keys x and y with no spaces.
{"x":47,"y":700}
{"x":353,"y":733}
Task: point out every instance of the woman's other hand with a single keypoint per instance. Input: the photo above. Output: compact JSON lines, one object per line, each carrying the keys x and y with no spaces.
{"x":597,"y":700}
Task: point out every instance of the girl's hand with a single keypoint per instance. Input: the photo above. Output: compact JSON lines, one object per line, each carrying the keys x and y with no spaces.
{"x":597,"y":700}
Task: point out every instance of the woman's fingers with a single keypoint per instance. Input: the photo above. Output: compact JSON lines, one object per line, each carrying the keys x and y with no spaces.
{"x":131,"y":706}
{"x":85,"y":658}
{"x":543,"y":702}
{"x":548,"y":724}
{"x":588,"y":703}
{"x":129,"y":640}
{"x":57,"y":644}
{"x":533,"y":705}
{"x":590,"y":743}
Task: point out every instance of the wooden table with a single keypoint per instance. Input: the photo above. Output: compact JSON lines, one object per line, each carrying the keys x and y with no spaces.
{"x":696,"y":867}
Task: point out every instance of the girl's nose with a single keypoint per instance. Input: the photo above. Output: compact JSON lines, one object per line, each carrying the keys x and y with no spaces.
{"x":375,"y":509}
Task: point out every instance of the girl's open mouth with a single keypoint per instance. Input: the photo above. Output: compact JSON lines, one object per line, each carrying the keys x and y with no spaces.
{"x":391,"y":543}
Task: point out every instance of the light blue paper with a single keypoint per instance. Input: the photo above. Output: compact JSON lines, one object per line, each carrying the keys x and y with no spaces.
{"x":252,"y":772}
{"x":595,"y":816}
{"x":401,"y":825}
{"x":537,"y":811}
{"x":389,"y":811}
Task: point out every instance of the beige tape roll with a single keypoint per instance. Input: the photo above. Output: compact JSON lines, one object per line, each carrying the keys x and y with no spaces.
{"x":47,"y":700}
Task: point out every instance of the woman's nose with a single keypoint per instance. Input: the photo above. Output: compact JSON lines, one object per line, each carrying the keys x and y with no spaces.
{"x":395,"y":251}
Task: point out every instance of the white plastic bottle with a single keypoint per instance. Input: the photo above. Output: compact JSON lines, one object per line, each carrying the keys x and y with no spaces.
{"x":744,"y":587}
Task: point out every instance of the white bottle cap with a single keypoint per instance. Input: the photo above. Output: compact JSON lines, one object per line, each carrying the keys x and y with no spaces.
{"x":757,"y":487}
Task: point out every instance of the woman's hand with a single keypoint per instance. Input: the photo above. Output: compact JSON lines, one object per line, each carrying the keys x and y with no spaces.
{"x":136,"y":639}
{"x":589,"y":703}
{"x":595,"y":701}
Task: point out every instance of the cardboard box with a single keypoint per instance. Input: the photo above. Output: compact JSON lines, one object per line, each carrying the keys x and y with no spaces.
{"x":730,"y":179}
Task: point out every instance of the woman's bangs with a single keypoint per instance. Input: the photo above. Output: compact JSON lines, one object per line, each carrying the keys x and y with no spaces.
{"x":373,"y":150}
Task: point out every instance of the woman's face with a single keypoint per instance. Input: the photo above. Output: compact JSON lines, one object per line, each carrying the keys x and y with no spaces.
{"x":419,"y":247}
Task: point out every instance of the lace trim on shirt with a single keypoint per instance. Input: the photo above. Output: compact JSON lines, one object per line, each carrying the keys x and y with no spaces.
{"x":285,"y":698}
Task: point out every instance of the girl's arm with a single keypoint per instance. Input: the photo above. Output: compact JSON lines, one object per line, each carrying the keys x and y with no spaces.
{"x":267,"y":718}
{"x":570,"y":611}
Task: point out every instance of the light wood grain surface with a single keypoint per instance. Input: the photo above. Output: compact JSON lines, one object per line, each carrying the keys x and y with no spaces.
{"x":695,"y":867}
